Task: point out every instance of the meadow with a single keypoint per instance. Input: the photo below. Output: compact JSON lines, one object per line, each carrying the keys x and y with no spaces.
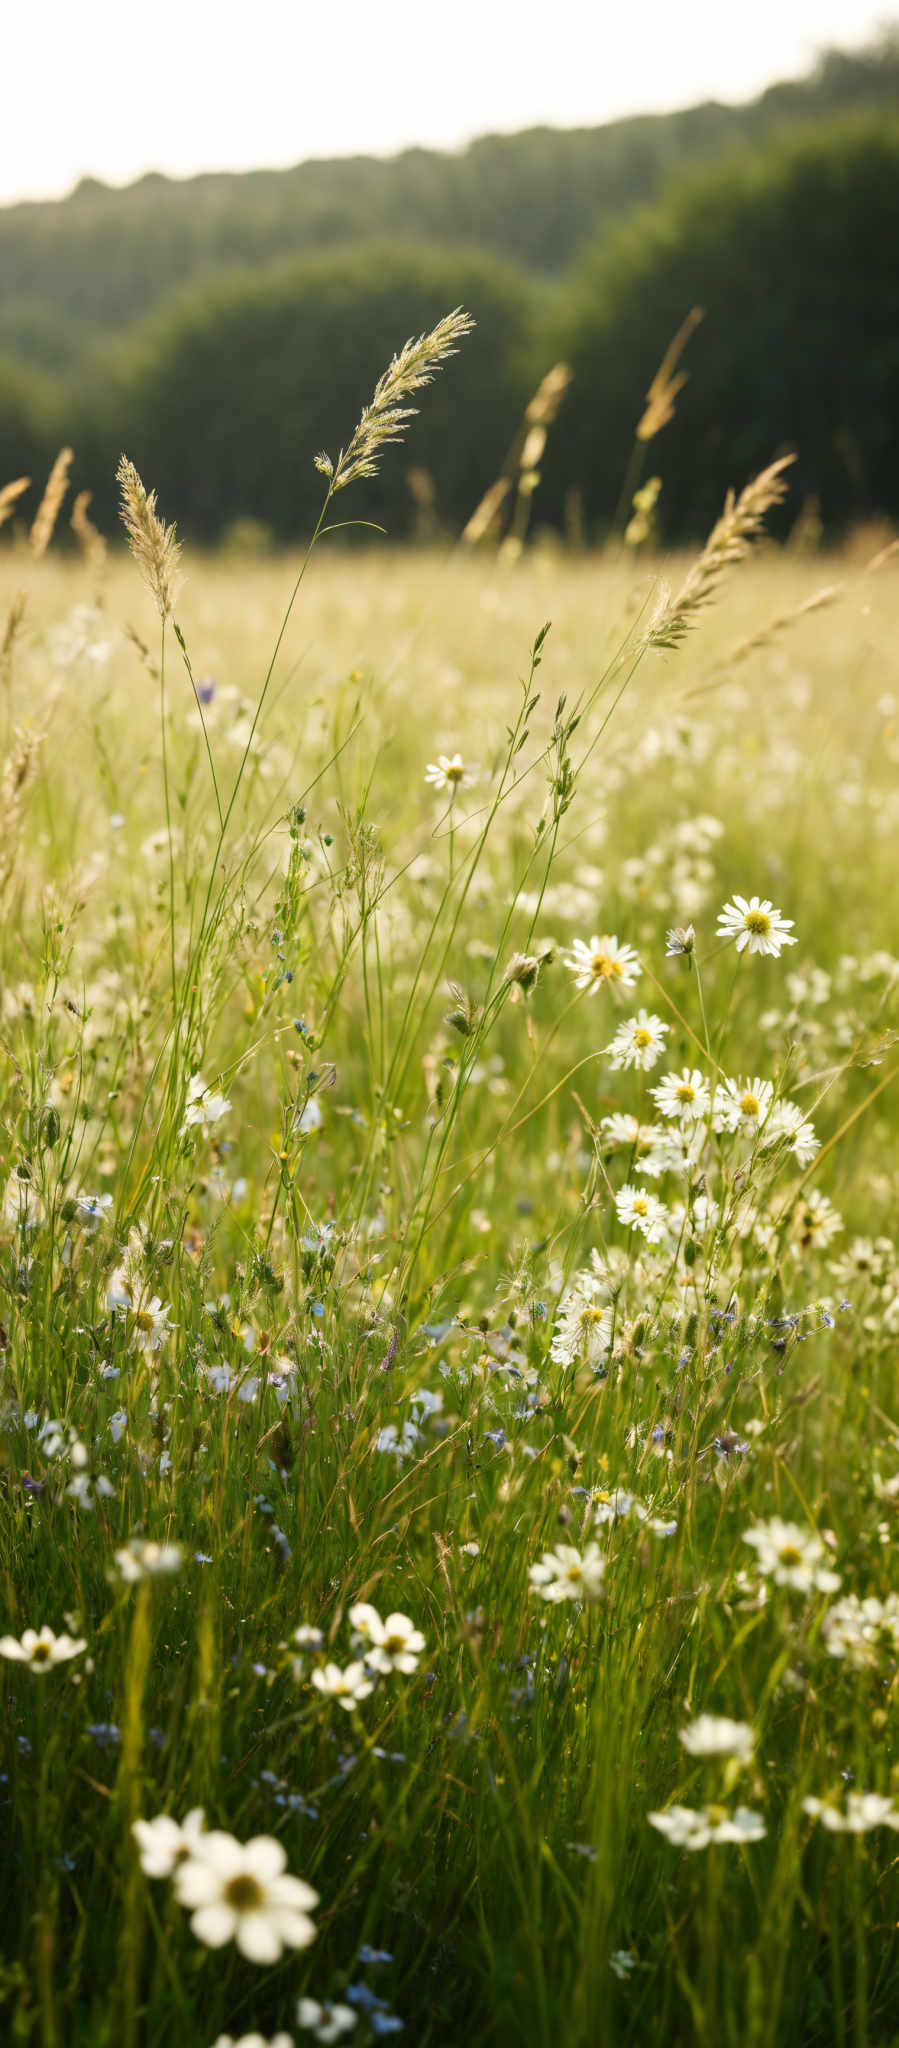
{"x":450,"y":1293}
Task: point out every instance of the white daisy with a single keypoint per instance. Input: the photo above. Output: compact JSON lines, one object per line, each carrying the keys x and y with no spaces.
{"x":392,"y":1645}
{"x":242,"y":1892}
{"x":39,"y":1648}
{"x":639,"y":1210}
{"x":743,"y":1105}
{"x":863,"y":1810}
{"x":255,"y":2041}
{"x":449,"y":771}
{"x":164,"y":1843}
{"x":143,"y":1560}
{"x":639,"y":1042}
{"x":603,"y":960}
{"x":583,"y":1325}
{"x":717,"y":1735}
{"x":687,"y":1828}
{"x":791,"y":1556}
{"x":755,"y":925}
{"x":327,"y":2022}
{"x":787,"y":1123}
{"x":862,"y":1631}
{"x":684,"y":1096}
{"x":348,"y":1687}
{"x":564,"y":1574}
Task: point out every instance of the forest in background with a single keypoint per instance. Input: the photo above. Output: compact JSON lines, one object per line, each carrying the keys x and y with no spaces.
{"x":225,"y":327}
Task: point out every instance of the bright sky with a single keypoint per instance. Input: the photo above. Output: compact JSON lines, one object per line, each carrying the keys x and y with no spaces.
{"x":111,"y":89}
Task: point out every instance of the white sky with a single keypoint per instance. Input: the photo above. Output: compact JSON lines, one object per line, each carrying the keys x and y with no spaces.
{"x":112,"y":88}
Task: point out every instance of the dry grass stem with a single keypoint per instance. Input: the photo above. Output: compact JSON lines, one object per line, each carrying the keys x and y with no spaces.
{"x":15,"y":619}
{"x":9,"y":495}
{"x":765,"y":637}
{"x":154,"y":546}
{"x":90,"y":540}
{"x":48,"y":509}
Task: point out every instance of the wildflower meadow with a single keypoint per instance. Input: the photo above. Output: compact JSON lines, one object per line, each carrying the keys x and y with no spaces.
{"x":449,"y":1461}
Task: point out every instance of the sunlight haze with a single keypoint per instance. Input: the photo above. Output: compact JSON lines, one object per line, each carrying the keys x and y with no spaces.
{"x":112,"y":93}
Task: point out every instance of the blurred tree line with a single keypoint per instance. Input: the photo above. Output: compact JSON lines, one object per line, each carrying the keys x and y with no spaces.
{"x":225,"y":329}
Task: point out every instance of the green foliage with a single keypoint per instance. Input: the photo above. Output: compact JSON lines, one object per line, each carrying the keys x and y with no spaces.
{"x":222,"y":400}
{"x":791,"y":253}
{"x":102,"y":259}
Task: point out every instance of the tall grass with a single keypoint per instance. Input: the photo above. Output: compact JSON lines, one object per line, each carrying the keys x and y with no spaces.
{"x":350,"y":1260}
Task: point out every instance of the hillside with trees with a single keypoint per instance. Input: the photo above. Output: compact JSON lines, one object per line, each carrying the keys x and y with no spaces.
{"x":224,"y":329}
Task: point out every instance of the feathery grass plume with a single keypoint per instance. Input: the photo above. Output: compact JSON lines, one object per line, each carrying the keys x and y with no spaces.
{"x":521,"y":465}
{"x":728,"y":542}
{"x":385,"y":418}
{"x":548,"y":396}
{"x":15,"y":619}
{"x":765,"y":637}
{"x":48,"y":510}
{"x":8,"y":496}
{"x":90,"y":540}
{"x":155,"y":549}
{"x":665,"y":385}
{"x":19,"y":769}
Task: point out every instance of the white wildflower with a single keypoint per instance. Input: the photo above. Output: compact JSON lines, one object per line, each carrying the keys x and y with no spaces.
{"x":242,"y":1892}
{"x":348,"y":1687}
{"x":639,"y":1042}
{"x":564,"y":1574}
{"x":327,"y":2022}
{"x":449,"y":771}
{"x":717,"y":1735}
{"x":163,"y":1843}
{"x":683,"y":1096}
{"x":603,"y":960}
{"x":791,"y":1556}
{"x":140,"y":1559}
{"x":689,"y":1828}
{"x":39,"y":1648}
{"x":863,"y":1811}
{"x":756,"y":925}
{"x":392,"y":1645}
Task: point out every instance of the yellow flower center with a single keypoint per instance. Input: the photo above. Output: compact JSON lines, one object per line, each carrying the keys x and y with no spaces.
{"x":750,"y":1105}
{"x":789,"y":1554}
{"x":574,"y":1571}
{"x":41,"y":1653}
{"x":591,"y":1316}
{"x":642,"y":1037}
{"x":243,"y":1893}
{"x":686,"y":1092}
{"x":604,"y":968}
{"x":641,"y":1206}
{"x":758,"y":923}
{"x":454,"y":771}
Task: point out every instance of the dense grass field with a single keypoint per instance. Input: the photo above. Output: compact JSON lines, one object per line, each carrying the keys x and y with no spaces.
{"x":350,"y":1279}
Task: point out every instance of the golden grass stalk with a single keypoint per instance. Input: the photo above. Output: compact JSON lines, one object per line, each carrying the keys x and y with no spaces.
{"x":154,"y":546}
{"x":48,"y":510}
{"x":485,"y":515}
{"x":9,"y":495}
{"x":883,"y":555}
{"x":90,"y":540}
{"x":666,"y":384}
{"x":385,"y":418}
{"x":15,"y":618}
{"x":19,"y":770}
{"x":730,"y":539}
{"x":765,"y":637}
{"x":548,"y":396}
